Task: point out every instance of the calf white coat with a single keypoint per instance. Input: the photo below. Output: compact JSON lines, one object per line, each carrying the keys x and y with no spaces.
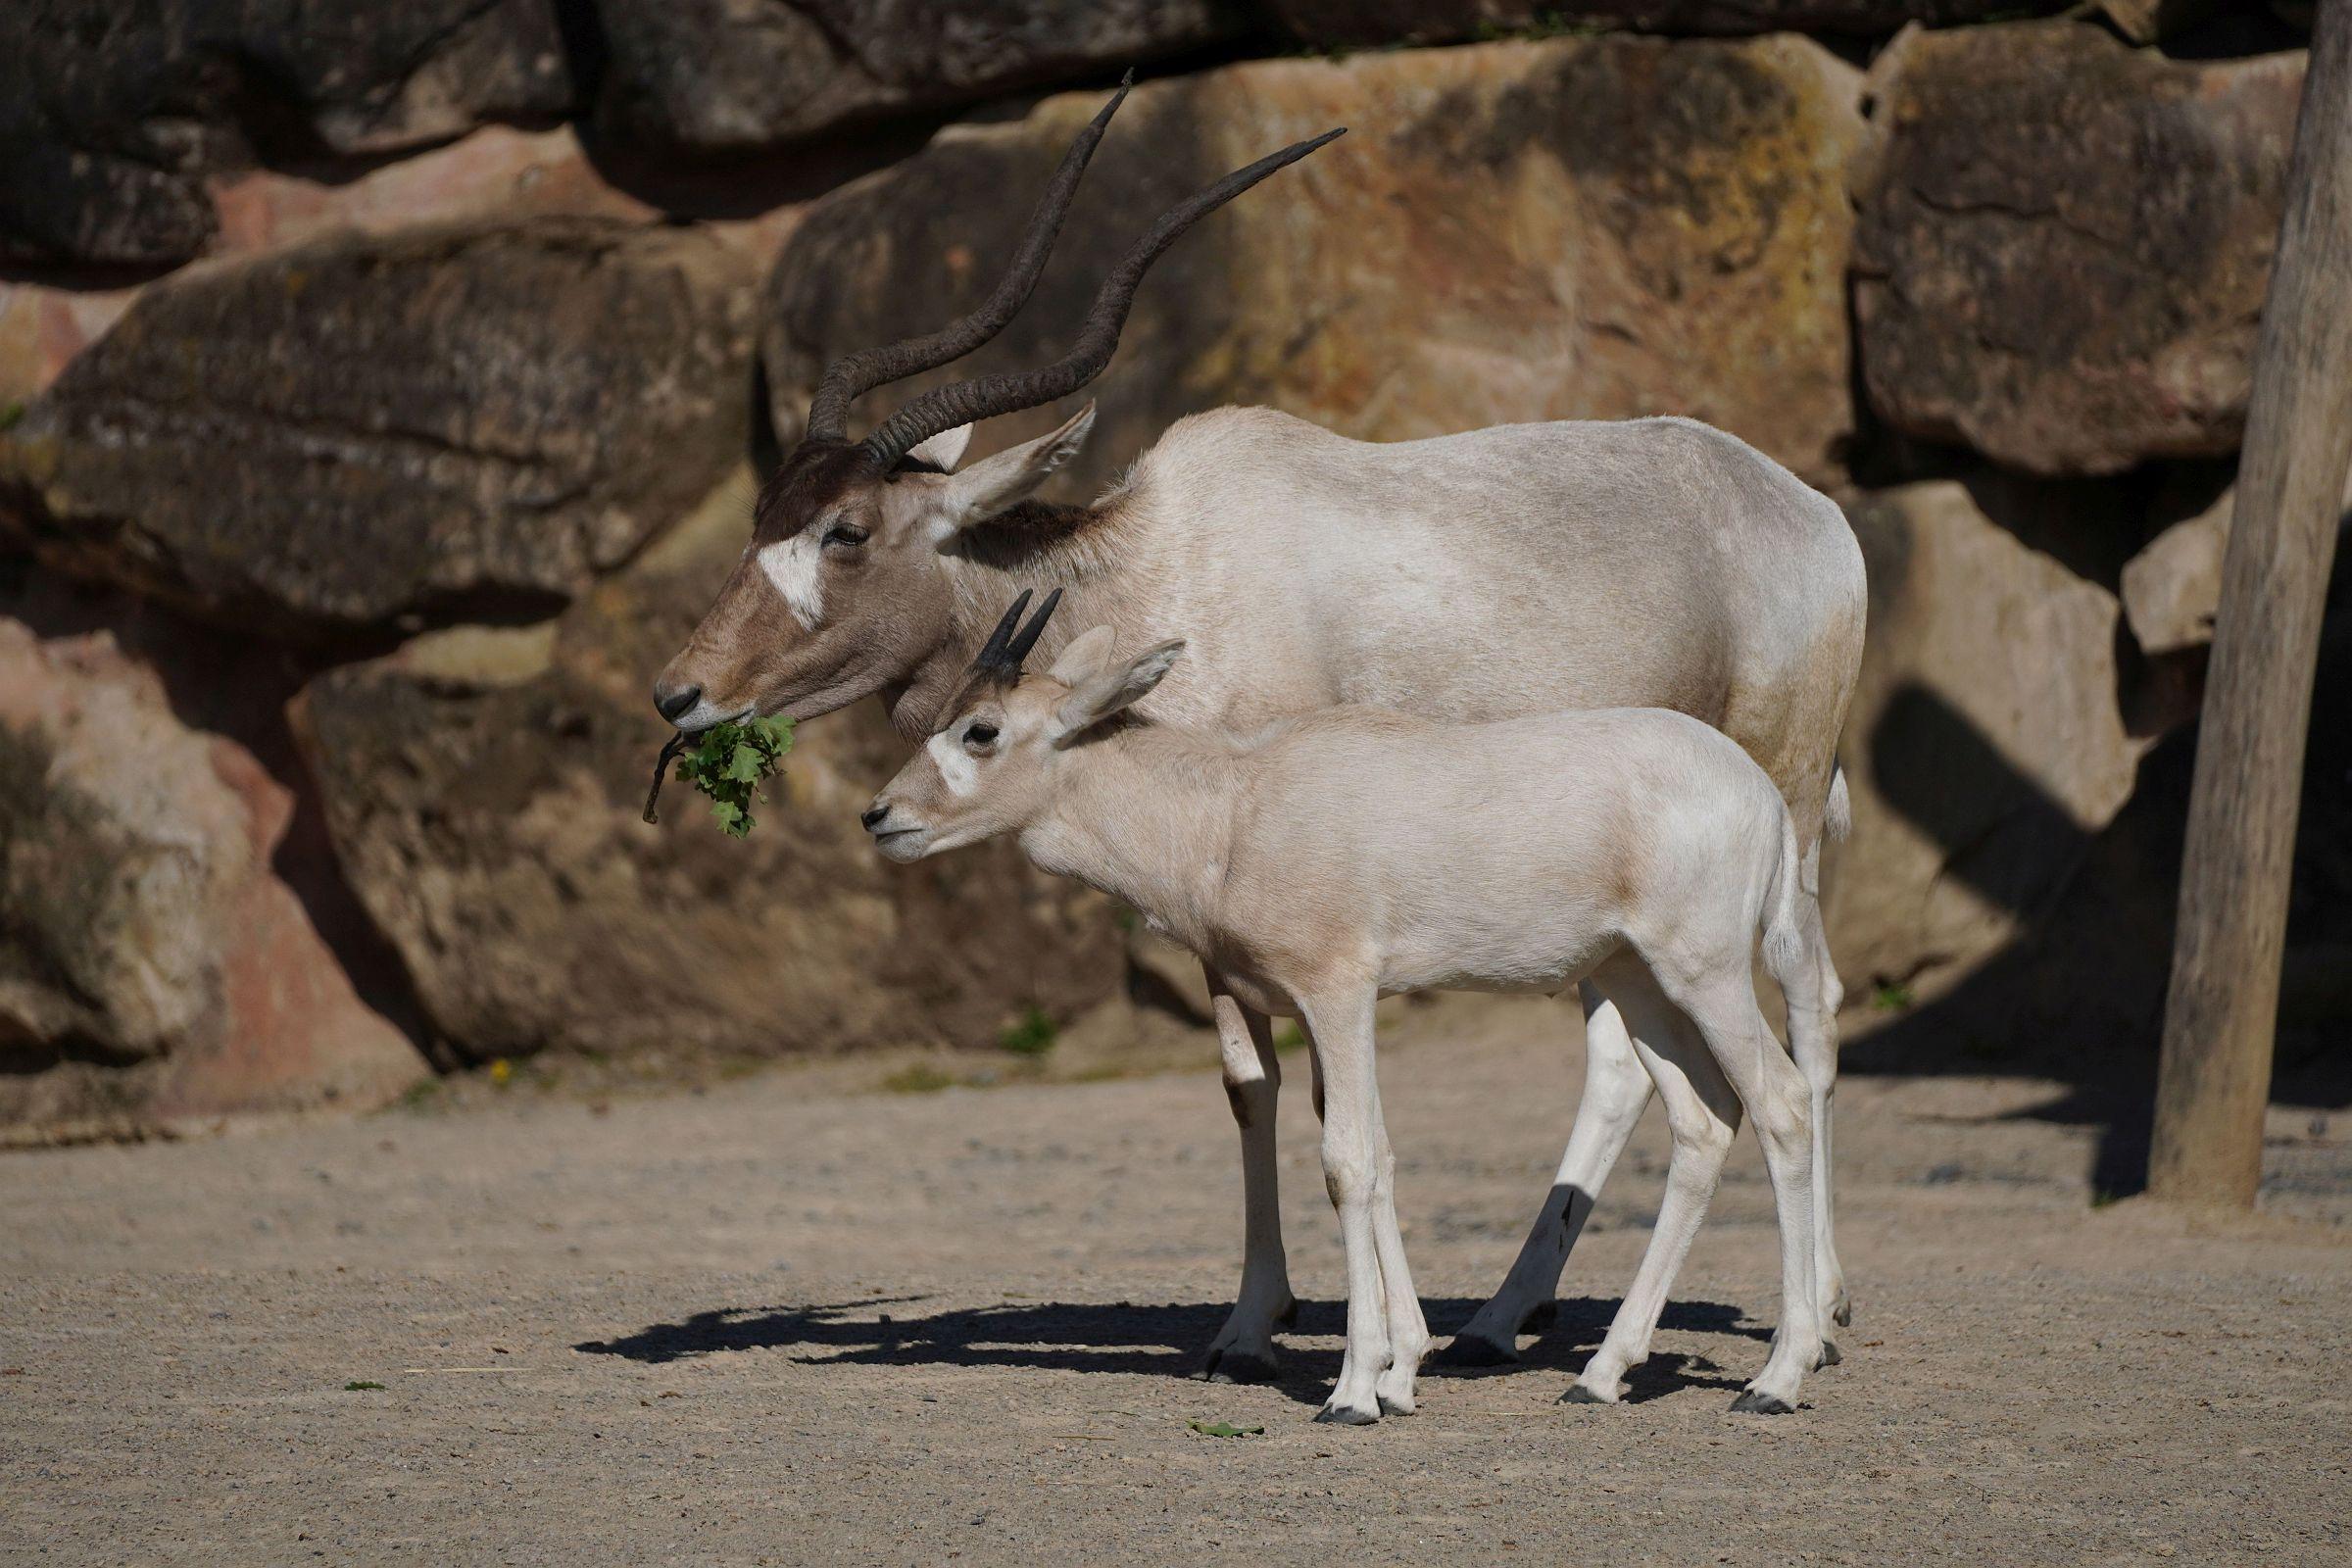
{"x":1332,"y":859}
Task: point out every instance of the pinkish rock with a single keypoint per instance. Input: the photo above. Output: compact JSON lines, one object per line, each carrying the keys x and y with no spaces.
{"x":153,"y":969}
{"x":498,"y":171}
{"x":42,"y":328}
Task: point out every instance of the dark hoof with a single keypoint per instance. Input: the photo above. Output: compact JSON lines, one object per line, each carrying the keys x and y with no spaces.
{"x":1342,"y":1416}
{"x":1578,"y":1394}
{"x":1844,"y":1312}
{"x":1830,"y":1356}
{"x":1753,"y":1403}
{"x":1388,"y":1406}
{"x":1463,"y":1350}
{"x":1237,"y":1366}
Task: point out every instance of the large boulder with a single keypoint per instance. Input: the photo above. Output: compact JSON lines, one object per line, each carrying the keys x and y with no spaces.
{"x":2173,"y":588}
{"x":483,"y":789}
{"x":451,"y":422}
{"x":1372,"y":24}
{"x":1580,"y":228}
{"x":717,"y":77}
{"x":111,"y":114}
{"x":2064,"y":242}
{"x":1986,"y":742}
{"x":153,"y":969}
{"x":498,"y":172}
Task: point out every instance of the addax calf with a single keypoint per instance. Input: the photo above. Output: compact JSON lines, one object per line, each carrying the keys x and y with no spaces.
{"x":1353,"y":852}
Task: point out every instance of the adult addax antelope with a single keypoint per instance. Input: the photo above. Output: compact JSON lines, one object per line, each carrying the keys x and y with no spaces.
{"x":1516,"y":569}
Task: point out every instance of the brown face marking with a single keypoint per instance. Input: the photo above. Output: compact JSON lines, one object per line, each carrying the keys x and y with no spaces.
{"x":885,"y":605}
{"x":816,"y":476}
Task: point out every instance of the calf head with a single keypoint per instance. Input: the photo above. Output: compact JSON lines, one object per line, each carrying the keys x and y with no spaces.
{"x":991,"y":766}
{"x":841,"y":592}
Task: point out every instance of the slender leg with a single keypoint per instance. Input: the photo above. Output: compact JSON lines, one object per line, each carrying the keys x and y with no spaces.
{"x":1702,"y":1113}
{"x":1616,"y":1089}
{"x":1408,"y":1330}
{"x":1244,"y":1349}
{"x":1723,"y":1005}
{"x":1813,"y":1038}
{"x":1339,"y":1027}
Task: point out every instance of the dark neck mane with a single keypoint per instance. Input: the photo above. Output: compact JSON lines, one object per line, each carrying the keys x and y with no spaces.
{"x":1019,"y":535}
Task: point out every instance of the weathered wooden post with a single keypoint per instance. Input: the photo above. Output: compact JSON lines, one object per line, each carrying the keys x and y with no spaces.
{"x":2224,"y":1005}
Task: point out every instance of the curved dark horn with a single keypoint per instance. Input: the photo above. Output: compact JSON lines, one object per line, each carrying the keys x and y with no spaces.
{"x":853,"y":374}
{"x":1018,"y":648}
{"x":992,"y":652}
{"x":985,"y":397}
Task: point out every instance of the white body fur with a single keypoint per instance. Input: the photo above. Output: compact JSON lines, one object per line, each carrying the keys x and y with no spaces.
{"x":1354,"y":853}
{"x":1515,"y":569}
{"x":1502,"y":571}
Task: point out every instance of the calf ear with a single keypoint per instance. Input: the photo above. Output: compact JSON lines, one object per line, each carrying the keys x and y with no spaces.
{"x":993,"y":483}
{"x":945,"y":449}
{"x":1086,"y":655}
{"x":1110,"y":690}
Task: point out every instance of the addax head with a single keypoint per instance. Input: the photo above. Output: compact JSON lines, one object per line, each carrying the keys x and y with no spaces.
{"x":991,"y":766}
{"x":841,"y":592}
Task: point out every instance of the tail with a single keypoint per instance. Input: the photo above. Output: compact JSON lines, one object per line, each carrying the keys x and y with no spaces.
{"x":1784,"y":937}
{"x":1838,"y":818}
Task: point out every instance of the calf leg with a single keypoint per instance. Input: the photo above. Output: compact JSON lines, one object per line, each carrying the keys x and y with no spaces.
{"x":1408,"y":1330}
{"x":1616,"y":1089}
{"x":1340,"y":1028}
{"x":1244,"y":1349}
{"x":1723,"y":1005}
{"x":1702,"y":1113}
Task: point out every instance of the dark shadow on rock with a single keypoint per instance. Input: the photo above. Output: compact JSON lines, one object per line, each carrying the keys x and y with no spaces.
{"x":2080,"y":997}
{"x":1158,"y":1340}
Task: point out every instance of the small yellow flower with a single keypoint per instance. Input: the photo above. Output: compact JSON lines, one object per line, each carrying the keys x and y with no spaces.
{"x":501,"y":1070}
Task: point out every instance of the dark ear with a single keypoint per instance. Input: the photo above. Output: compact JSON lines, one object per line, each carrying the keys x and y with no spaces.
{"x":993,"y":483}
{"x":1114,"y":687}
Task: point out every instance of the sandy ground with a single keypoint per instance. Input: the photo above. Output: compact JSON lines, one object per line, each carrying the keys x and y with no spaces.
{"x":775,"y":1322}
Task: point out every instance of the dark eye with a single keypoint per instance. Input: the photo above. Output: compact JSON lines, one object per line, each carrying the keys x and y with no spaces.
{"x":845,"y":533}
{"x":980,"y":735}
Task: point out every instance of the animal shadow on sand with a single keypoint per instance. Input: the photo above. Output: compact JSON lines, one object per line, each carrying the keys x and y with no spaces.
{"x":1153,"y":1340}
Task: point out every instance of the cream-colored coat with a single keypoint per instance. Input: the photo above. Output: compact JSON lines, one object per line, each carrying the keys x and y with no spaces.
{"x":1516,"y":569}
{"x":1353,"y":852}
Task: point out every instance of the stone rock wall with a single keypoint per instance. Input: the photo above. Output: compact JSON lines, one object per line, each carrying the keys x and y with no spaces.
{"x":1374,"y":23}
{"x":712,"y":78}
{"x":1986,"y":742}
{"x":411,"y":360}
{"x":111,"y":115}
{"x":424,"y":425}
{"x":2064,"y":243}
{"x":483,"y":788}
{"x":153,"y":969}
{"x":1579,"y":228}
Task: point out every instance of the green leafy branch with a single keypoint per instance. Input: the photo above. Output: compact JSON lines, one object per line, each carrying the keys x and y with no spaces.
{"x":730,"y":762}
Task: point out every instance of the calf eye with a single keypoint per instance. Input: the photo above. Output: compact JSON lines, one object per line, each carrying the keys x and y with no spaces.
{"x":980,"y":735}
{"x":845,"y":533}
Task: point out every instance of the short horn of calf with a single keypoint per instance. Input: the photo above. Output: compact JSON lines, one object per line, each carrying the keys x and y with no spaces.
{"x":1002,"y":656}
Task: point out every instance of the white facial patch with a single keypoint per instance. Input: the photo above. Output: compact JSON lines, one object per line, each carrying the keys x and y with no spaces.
{"x":957,"y":769}
{"x":792,"y":566}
